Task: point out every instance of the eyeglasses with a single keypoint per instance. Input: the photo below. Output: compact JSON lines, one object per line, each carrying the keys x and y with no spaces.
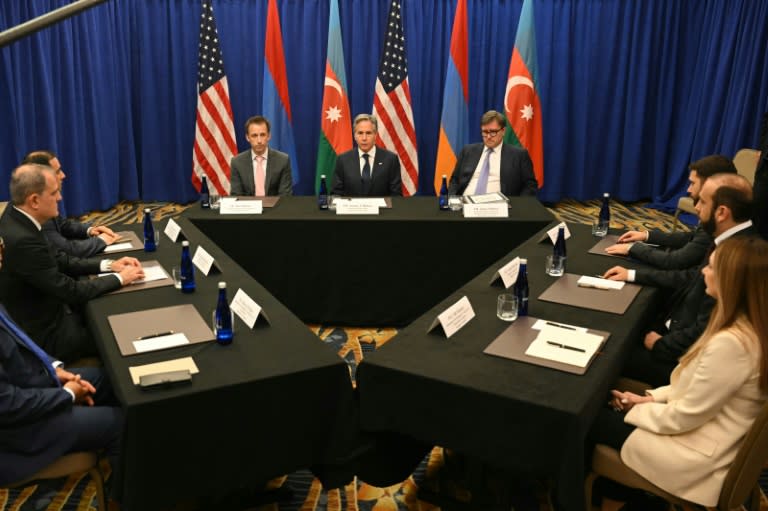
{"x":491,"y":133}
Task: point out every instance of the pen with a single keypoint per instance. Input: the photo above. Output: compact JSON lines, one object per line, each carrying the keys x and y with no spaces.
{"x":566,"y":347}
{"x":560,"y":326}
{"x":159,"y":334}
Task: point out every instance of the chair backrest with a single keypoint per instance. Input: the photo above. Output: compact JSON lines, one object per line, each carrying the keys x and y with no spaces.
{"x":749,"y":462}
{"x":745,"y":162}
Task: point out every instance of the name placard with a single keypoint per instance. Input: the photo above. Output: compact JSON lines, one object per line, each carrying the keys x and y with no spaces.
{"x":454,"y":317}
{"x":356,"y":207}
{"x":552,"y":233}
{"x":246,"y":308}
{"x":232,"y":206}
{"x":203,"y":260}
{"x":508,"y":272}
{"x":172,"y":230}
{"x":490,"y":210}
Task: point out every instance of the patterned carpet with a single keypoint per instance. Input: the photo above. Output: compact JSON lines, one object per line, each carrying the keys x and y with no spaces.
{"x":76,"y":493}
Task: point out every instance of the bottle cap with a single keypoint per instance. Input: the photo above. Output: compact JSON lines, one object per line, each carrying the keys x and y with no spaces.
{"x":523,"y":261}
{"x":185,"y":243}
{"x":606,"y":194}
{"x":222,"y":285}
{"x":322,"y":176}
{"x":147,"y":210}
{"x":445,"y":176}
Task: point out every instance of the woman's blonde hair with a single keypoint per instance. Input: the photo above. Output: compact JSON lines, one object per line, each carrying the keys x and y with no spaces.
{"x":741,"y":272}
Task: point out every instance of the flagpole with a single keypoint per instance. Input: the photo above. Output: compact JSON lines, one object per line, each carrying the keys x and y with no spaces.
{"x":28,"y":27}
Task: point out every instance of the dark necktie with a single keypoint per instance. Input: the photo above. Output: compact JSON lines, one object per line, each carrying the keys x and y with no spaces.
{"x":366,"y":179}
{"x":30,"y":344}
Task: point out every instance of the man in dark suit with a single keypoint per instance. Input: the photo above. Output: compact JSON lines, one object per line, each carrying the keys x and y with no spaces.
{"x":36,"y":280}
{"x":73,"y":237}
{"x":676,"y":250}
{"x":368,"y":170}
{"x":260,"y":171}
{"x":724,"y":209}
{"x":493,"y":166}
{"x":39,"y":415}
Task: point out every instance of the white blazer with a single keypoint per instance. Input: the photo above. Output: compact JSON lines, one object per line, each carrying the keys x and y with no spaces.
{"x":687,"y":438}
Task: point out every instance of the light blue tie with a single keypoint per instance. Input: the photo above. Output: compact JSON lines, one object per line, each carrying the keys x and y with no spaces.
{"x":482,"y":181}
{"x":46,"y":360}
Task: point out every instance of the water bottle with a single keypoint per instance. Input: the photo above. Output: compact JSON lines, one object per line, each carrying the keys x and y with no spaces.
{"x":322,"y":196}
{"x":443,"y":198}
{"x":150,"y":245}
{"x":560,"y":249}
{"x":205,"y":195}
{"x":187,"y":269}
{"x":521,"y":288}
{"x":604,"y":219}
{"x":223,"y":317}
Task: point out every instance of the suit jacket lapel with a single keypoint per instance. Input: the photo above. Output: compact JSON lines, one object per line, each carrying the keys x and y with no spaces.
{"x":268,"y":172}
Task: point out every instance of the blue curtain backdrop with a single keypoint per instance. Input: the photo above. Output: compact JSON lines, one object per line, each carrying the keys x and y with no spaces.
{"x":632,"y":90}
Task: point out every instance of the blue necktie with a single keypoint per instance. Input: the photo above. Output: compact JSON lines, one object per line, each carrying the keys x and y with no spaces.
{"x":366,"y":174}
{"x":46,"y":360}
{"x":482,"y":180}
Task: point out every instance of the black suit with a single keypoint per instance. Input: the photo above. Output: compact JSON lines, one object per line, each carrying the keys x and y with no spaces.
{"x":38,"y":420}
{"x":385,"y":175}
{"x":72,"y":237}
{"x":515,"y":169}
{"x":688,"y":310}
{"x":37,"y":287}
{"x":687,"y":249}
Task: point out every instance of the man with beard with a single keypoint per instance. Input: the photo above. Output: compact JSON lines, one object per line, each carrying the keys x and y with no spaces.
{"x":724,"y":209}
{"x":678,"y":250}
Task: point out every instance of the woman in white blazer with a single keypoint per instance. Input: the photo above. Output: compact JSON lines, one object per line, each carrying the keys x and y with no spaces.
{"x":683,"y":437}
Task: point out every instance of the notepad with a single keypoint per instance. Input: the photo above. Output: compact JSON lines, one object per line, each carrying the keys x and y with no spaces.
{"x":598,"y":283}
{"x":564,"y":345}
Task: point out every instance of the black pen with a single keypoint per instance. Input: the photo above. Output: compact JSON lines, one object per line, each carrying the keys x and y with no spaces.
{"x":560,"y":326}
{"x":159,"y":334}
{"x":566,"y":347}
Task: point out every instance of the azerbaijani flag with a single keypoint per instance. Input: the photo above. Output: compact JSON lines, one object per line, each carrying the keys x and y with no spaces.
{"x":454,"y":121}
{"x":336,"y":127}
{"x":521,"y":100}
{"x":276,"y":103}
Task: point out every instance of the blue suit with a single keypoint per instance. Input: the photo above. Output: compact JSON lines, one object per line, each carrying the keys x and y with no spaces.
{"x":72,"y":237}
{"x":38,"y":421}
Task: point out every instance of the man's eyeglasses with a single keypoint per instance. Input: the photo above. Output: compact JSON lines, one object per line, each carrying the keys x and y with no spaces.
{"x":491,"y":133}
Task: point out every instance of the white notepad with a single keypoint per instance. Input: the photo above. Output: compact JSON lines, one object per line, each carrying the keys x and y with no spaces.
{"x":565,"y":345}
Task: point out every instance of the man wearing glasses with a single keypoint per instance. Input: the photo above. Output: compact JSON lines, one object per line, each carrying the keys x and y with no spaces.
{"x":493,"y":166}
{"x":73,"y":237}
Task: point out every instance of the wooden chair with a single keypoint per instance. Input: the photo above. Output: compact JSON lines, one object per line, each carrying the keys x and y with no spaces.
{"x":741,"y":481}
{"x":71,"y":464}
{"x":683,"y":204}
{"x":745,"y":162}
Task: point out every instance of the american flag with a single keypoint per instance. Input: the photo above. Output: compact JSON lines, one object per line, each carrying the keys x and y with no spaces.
{"x":214,"y":128}
{"x":392,"y":102}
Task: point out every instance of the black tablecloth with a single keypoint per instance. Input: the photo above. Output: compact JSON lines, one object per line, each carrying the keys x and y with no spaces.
{"x":508,"y":413}
{"x":367,"y":270}
{"x":274,"y":401}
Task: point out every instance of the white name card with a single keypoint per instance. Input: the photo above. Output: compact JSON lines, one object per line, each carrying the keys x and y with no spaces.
{"x":172,"y":230}
{"x":508,"y":272}
{"x":232,"y":206}
{"x":246,"y":309}
{"x":203,"y":260}
{"x":356,"y":207}
{"x":454,"y":317}
{"x":490,"y":210}
{"x":552,"y":233}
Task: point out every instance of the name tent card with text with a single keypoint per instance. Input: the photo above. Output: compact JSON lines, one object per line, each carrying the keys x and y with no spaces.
{"x":246,"y":308}
{"x":172,"y":230}
{"x":454,"y":317}
{"x":203,"y":260}
{"x":508,"y":273}
{"x":489,"y":210}
{"x":232,"y":206}
{"x":552,"y":233}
